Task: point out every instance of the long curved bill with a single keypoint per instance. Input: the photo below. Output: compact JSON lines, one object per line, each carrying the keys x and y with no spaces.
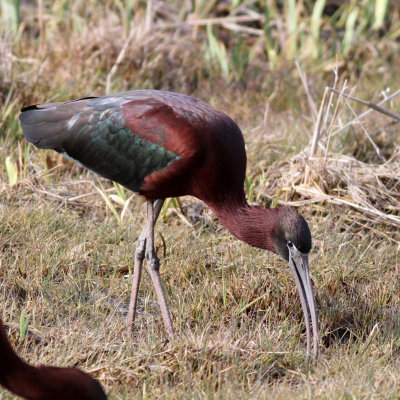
{"x":298,"y":263}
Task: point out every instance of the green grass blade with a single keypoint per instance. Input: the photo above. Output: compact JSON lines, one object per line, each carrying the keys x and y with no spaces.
{"x":291,"y":15}
{"x":12,"y":171}
{"x":381,"y":7}
{"x":217,"y":52}
{"x":10,"y":14}
{"x":349,"y":30}
{"x":316,"y":21}
{"x":23,"y":325}
{"x":120,"y":190}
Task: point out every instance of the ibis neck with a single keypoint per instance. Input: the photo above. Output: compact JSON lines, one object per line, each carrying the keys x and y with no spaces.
{"x":254,"y":226}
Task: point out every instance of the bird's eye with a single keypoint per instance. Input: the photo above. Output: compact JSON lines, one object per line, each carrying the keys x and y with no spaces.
{"x":289,"y":244}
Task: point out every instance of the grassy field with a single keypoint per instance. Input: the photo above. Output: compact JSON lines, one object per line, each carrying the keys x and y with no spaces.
{"x":67,"y":237}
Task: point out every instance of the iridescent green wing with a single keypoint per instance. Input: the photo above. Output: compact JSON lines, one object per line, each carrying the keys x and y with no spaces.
{"x":94,"y":133}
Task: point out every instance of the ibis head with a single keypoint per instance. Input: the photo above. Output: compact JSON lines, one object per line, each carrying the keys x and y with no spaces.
{"x":292,"y":241}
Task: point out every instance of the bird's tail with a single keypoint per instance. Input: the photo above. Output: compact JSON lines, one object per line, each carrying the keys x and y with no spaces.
{"x":46,"y":125}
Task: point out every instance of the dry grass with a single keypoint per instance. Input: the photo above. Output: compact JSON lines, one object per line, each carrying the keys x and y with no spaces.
{"x":236,"y":308}
{"x":65,"y":253}
{"x":64,"y":262}
{"x":370,"y":188}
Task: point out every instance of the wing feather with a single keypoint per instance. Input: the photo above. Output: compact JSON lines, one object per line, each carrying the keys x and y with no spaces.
{"x":94,"y":133}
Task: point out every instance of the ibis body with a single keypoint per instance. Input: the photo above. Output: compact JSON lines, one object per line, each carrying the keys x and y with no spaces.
{"x":43,"y":382}
{"x":161,"y":144}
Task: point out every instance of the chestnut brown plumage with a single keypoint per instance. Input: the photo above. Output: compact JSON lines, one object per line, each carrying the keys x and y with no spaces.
{"x":162,"y":144}
{"x":44,"y":383}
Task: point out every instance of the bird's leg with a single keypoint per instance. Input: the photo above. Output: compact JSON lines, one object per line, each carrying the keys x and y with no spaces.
{"x":137,"y":270}
{"x":153,"y":269}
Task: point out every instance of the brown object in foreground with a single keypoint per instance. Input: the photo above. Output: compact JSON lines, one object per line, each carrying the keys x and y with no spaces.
{"x":44,"y":383}
{"x":162,"y":144}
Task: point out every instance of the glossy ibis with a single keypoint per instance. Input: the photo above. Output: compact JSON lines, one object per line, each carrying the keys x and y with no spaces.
{"x":44,"y":383}
{"x":161,"y":144}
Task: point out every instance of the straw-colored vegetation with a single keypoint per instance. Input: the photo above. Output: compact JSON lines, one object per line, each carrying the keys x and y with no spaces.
{"x":67,"y":237}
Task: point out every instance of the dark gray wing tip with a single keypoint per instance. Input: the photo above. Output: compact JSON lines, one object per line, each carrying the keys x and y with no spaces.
{"x":87,"y":98}
{"x":46,"y":105}
{"x":33,"y":107}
